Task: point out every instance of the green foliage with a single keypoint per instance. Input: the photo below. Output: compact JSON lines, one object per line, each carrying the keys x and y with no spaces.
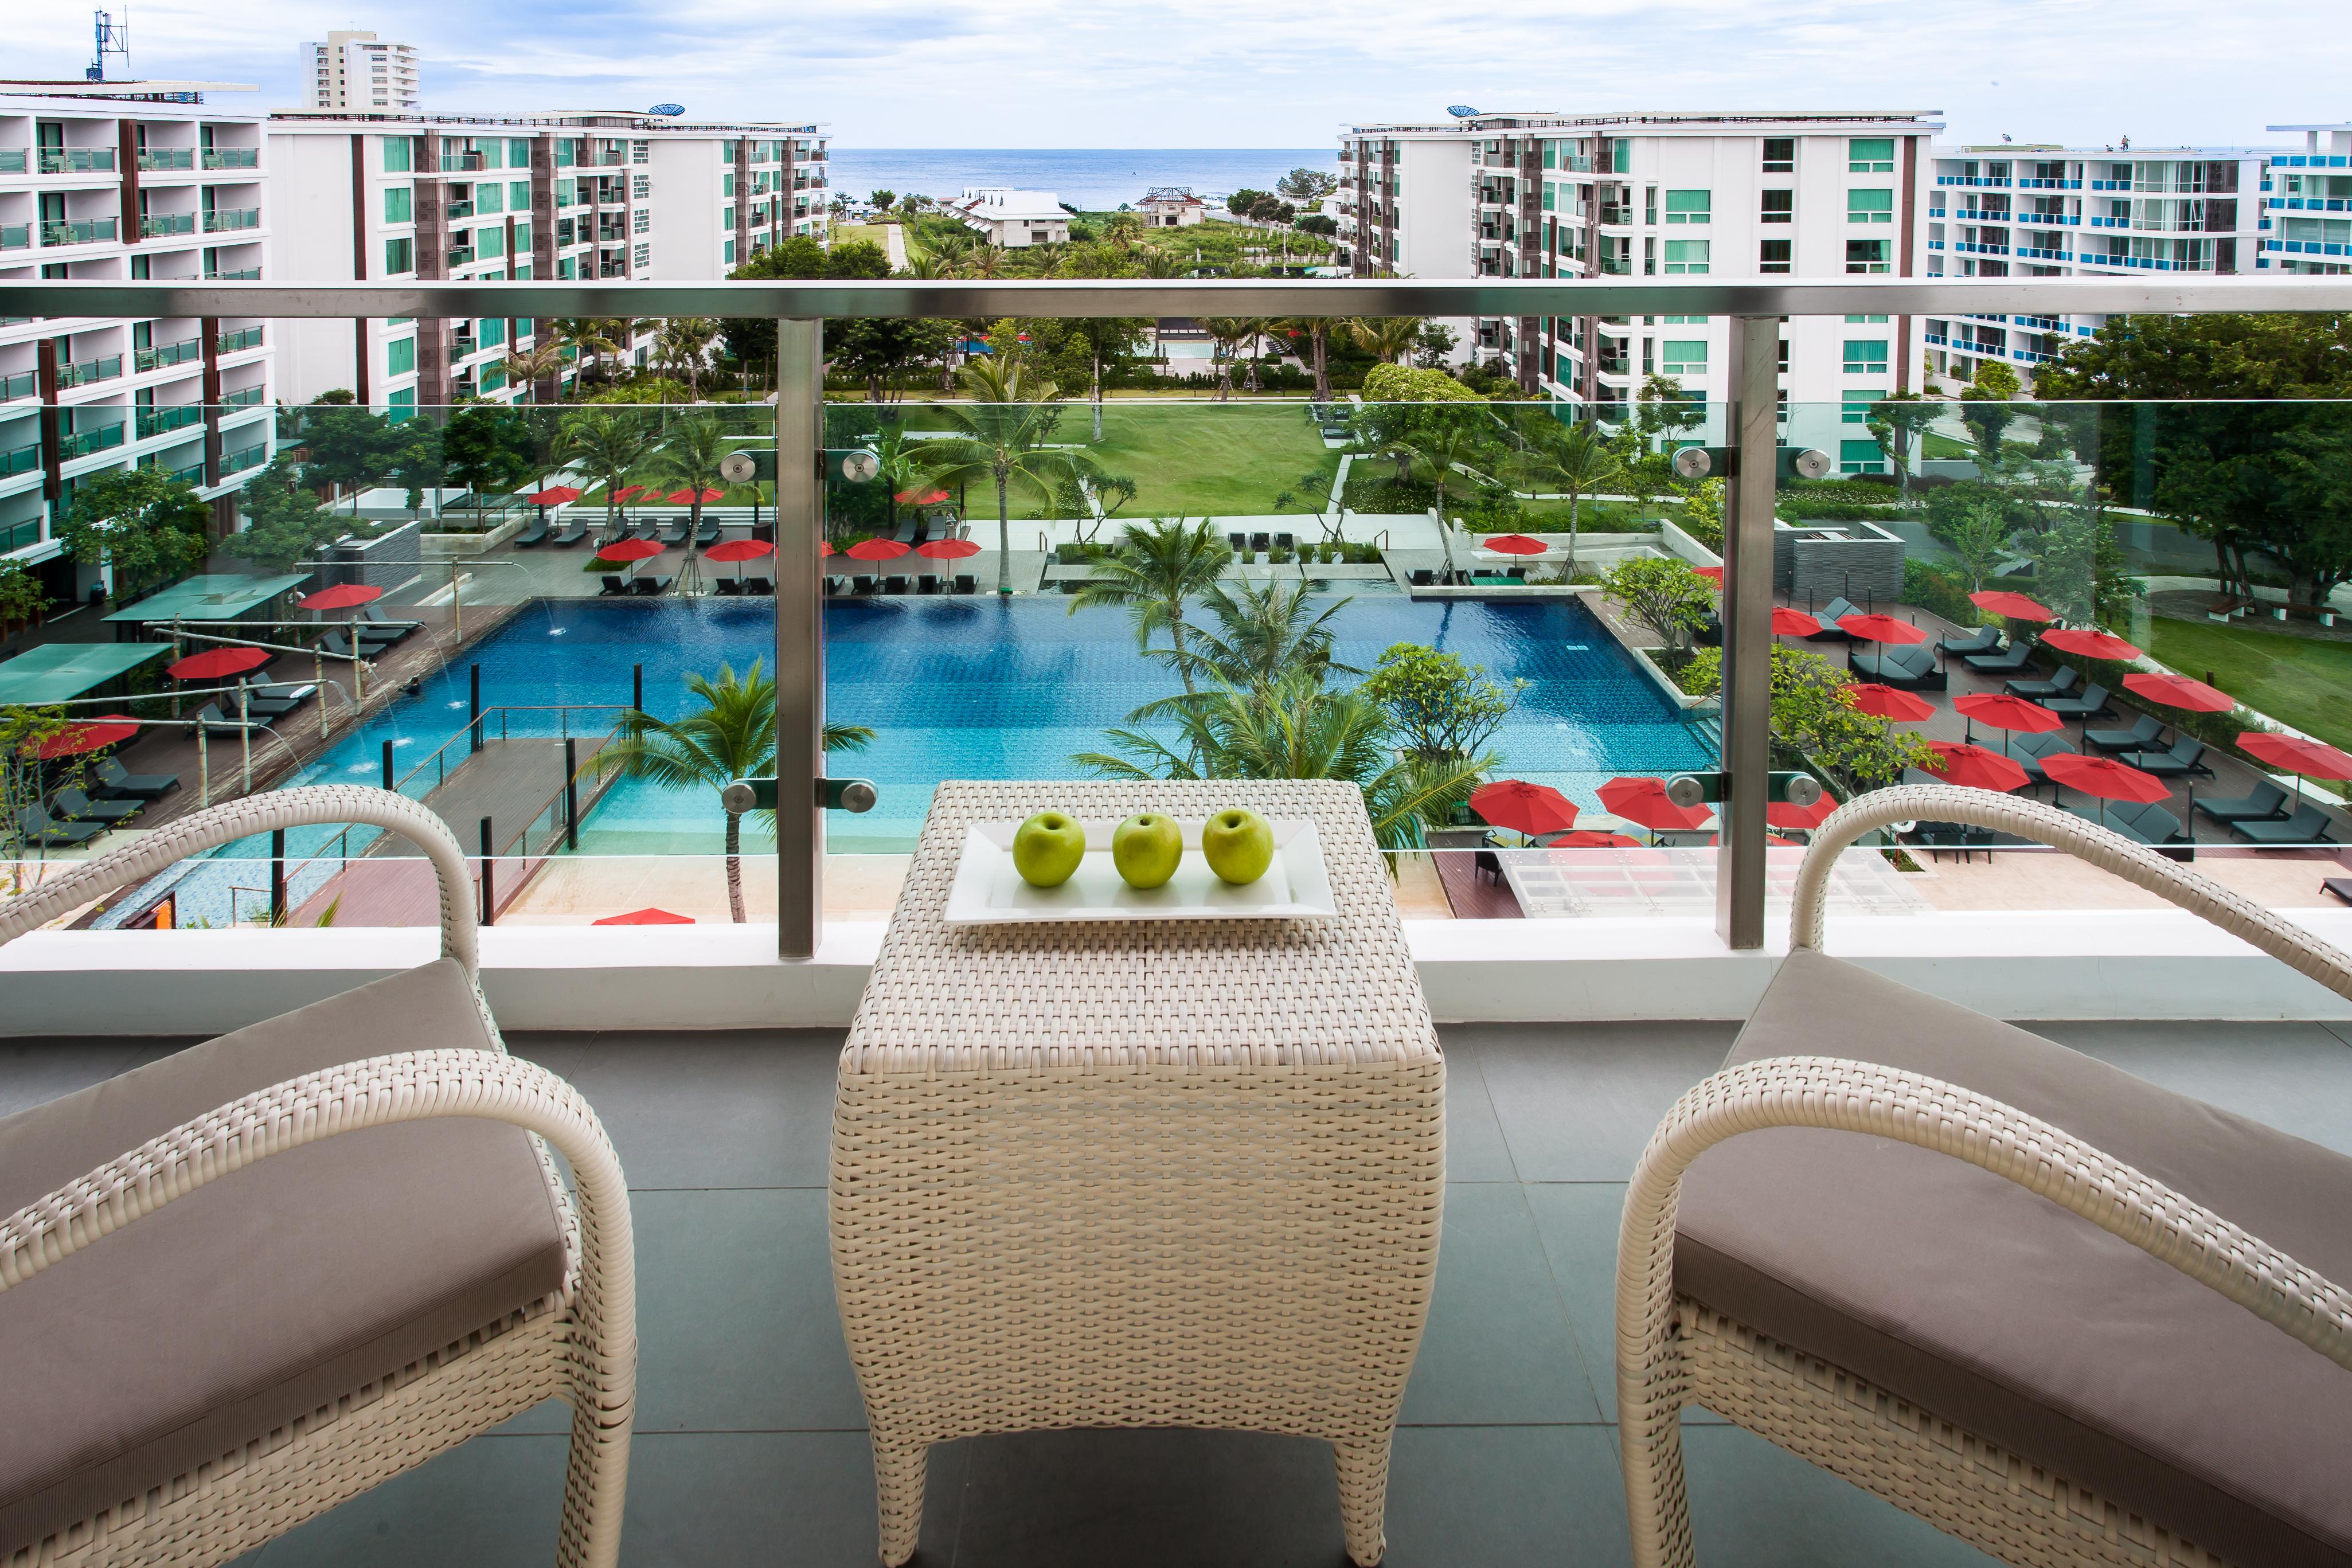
{"x":608,"y":445}
{"x":1895,"y":423}
{"x":1405,"y":383}
{"x":1813,"y":716}
{"x":25,"y":778}
{"x":883,"y":348}
{"x":1443,"y":708}
{"x":486,"y":447}
{"x":2164,"y":358}
{"x":151,"y":526}
{"x":1934,"y":590}
{"x":1003,"y":438}
{"x":754,"y":338}
{"x":1703,"y":514}
{"x":1664,"y":594}
{"x":287,"y":525}
{"x":1157,"y":568}
{"x":21,"y":595}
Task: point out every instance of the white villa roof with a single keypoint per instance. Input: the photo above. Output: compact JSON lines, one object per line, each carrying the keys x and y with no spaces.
{"x":999,"y":204}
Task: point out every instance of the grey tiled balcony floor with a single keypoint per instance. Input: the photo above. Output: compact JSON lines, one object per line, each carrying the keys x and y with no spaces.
{"x":751,"y":1446}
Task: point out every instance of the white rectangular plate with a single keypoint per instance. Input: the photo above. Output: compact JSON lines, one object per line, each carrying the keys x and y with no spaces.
{"x":988,"y":891}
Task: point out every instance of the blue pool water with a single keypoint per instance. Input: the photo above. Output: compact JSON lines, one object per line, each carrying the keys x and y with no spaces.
{"x":977,"y":687}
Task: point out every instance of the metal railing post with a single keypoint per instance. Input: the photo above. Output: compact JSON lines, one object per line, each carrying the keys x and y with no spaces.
{"x":1754,"y":437}
{"x":800,"y":638}
{"x":277,"y":876}
{"x":388,"y":765}
{"x":490,"y":888}
{"x":571,"y":792}
{"x":474,"y":707}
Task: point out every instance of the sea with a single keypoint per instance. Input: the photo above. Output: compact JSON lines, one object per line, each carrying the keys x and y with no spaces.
{"x":1095,"y":179}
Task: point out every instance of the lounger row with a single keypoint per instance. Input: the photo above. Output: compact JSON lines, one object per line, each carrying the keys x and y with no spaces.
{"x":619,"y":587}
{"x":574,"y":533}
{"x":110,"y":797}
{"x":925,"y":582}
{"x":1426,"y":577}
{"x":1260,"y":543}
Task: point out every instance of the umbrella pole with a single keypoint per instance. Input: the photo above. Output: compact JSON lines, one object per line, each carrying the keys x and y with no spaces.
{"x":319,"y":679}
{"x":204,"y":767}
{"x":359,"y":680}
{"x":244,"y":737}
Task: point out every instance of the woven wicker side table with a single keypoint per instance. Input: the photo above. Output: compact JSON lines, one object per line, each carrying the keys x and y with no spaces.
{"x":1157,"y":1174}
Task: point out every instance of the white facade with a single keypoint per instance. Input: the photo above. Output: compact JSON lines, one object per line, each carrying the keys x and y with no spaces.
{"x":2010,"y":211}
{"x":2306,"y":199}
{"x":123,"y":180}
{"x":582,"y":195}
{"x":1011,"y":218}
{"x":357,"y":73}
{"x":1171,"y":207}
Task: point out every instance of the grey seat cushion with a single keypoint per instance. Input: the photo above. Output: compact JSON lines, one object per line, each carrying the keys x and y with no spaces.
{"x":1994,"y":1308}
{"x":270,"y":1291}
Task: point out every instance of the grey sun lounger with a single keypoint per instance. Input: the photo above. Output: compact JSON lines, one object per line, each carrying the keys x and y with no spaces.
{"x":1912,"y":668}
{"x":35,"y":826}
{"x":707,"y":534}
{"x":2060,"y":685}
{"x":2186,"y":756}
{"x":2140,"y":737}
{"x":2146,"y":824}
{"x":2090,"y":704}
{"x":760,"y":586}
{"x":1837,"y":610}
{"x":646,"y":587}
{"x":534,"y":535}
{"x":2028,"y":750}
{"x":2016,"y":657}
{"x":113,"y":778}
{"x":966,"y":583}
{"x":673,"y":532}
{"x":615,"y":587}
{"x":75,"y":805}
{"x":2307,"y":826}
{"x":571,"y":534}
{"x":2264,"y":803}
{"x":1983,"y":640}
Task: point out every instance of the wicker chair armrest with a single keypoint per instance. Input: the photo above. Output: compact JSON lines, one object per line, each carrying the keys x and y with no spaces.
{"x":1887,"y":1103}
{"x":235,"y":820}
{"x":2137,"y":864}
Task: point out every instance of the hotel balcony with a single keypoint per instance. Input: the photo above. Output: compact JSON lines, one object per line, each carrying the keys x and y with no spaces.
{"x":2001,"y":1150}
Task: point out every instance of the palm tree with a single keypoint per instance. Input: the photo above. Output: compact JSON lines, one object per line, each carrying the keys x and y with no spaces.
{"x":1001,"y":439}
{"x":985,"y":261}
{"x":1391,"y":338}
{"x":901,"y":466}
{"x":1317,"y":331}
{"x":1439,"y":445}
{"x":608,"y":445}
{"x":1154,"y":261}
{"x":689,"y":456}
{"x":540,"y":363}
{"x":1265,"y":634}
{"x":1569,"y":458}
{"x":683,"y":344}
{"x":732,"y":736}
{"x":1230,"y":332}
{"x":1159,"y":566}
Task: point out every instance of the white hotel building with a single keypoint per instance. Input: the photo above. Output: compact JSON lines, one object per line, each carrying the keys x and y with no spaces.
{"x":2307,"y":202}
{"x":563,"y":195}
{"x":1558,"y":196}
{"x":123,"y":180}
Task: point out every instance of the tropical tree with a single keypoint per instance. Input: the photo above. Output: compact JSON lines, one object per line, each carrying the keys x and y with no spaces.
{"x":1158,"y":568}
{"x":21,"y":595}
{"x":689,"y":457}
{"x":1663,"y":593}
{"x":1444,"y":709}
{"x":1317,"y":330}
{"x":608,"y":443}
{"x":149,"y":527}
{"x":1978,"y":540}
{"x":537,"y":367}
{"x":900,"y":465}
{"x":584,"y":337}
{"x":1264,"y":633}
{"x":1988,"y":410}
{"x":1897,"y":422}
{"x":1230,"y":333}
{"x":485,"y":447}
{"x":1567,"y":459}
{"x":1388,"y":337}
{"x":999,"y":438}
{"x":1440,"y":445}
{"x":730,"y":736}
{"x":682,"y":347}
{"x":286,"y":524}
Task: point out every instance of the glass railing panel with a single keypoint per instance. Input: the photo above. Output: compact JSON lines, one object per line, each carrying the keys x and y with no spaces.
{"x":161,"y":160}
{"x":16,"y":236}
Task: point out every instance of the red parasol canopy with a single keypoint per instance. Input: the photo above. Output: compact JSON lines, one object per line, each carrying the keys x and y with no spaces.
{"x":2003,"y":711}
{"x":2013,"y":606}
{"x":1588,"y":838}
{"x":2312,"y":759}
{"x":344,"y":596}
{"x":1514,"y":544}
{"x":687,"y":497}
{"x":554,"y":495}
{"x":645,"y":918}
{"x":1714,"y":574}
{"x":105,"y":729}
{"x":738,"y":549}
{"x":2087,"y":642}
{"x":1974,"y":768}
{"x":948,"y":549}
{"x":877,"y":549}
{"x":2105,"y":778}
{"x":1889,"y":702}
{"x":1793,"y":623}
{"x":919,"y":498}
{"x":630,"y":493}
{"x":1789,"y":814}
{"x":824,"y":548}
{"x":1880,"y":629}
{"x":1643,"y":801}
{"x":213,"y":663}
{"x":2178,"y":691}
{"x":1524,"y":807}
{"x":631,"y":550}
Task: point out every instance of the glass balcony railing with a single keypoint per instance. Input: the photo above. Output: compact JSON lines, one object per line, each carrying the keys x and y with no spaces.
{"x":82,"y":442}
{"x":20,"y":459}
{"x":228,"y":221}
{"x":162,"y":356}
{"x":463,"y":256}
{"x":166,"y":160}
{"x":90,"y":371}
{"x":232,"y":158}
{"x":22,"y":385}
{"x":244,"y":397}
{"x":16,"y":236}
{"x":177,"y":416}
{"x":156,"y":225}
{"x":241,"y":460}
{"x":76,"y":159}
{"x":231,"y":274}
{"x":238,"y":341}
{"x":88,"y":231}
{"x":15,"y":160}
{"x":460,"y":210}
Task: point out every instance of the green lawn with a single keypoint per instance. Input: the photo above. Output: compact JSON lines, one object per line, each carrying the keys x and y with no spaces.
{"x":2300,"y":681}
{"x":1195,"y":461}
{"x":1934,"y":446}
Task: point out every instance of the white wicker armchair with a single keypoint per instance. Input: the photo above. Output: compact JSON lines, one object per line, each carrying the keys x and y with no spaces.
{"x":2144,"y":1462}
{"x":291,"y":1461}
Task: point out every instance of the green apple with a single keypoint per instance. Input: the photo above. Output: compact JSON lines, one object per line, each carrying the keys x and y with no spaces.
{"x":1146,"y":848}
{"x":1238,"y":845}
{"x":1047,"y":847}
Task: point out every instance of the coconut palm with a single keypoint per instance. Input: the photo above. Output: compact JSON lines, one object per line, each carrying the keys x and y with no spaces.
{"x":999,"y":439}
{"x":683,"y":345}
{"x":1571,"y":459}
{"x":608,"y":445}
{"x":583,"y":338}
{"x":689,"y":457}
{"x":1230,"y":332}
{"x":1389,"y":337}
{"x":1161,"y":564}
{"x":1264,"y":633}
{"x":731,"y":736}
{"x":1154,"y":261}
{"x":1440,"y":445}
{"x":901,"y":464}
{"x":985,"y":261}
{"x":535,"y":367}
{"x":1317,"y":330}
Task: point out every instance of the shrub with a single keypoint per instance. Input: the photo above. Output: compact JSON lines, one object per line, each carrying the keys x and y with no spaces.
{"x":1939,"y":592}
{"x":1407,"y":384}
{"x":1664,"y":594}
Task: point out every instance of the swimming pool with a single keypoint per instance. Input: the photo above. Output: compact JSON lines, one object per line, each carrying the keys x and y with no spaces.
{"x":986,"y":688}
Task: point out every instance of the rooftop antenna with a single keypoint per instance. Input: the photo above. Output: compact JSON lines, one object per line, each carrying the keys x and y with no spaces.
{"x":110,"y":37}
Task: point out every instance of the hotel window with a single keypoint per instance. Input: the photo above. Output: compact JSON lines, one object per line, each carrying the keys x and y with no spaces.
{"x":400,"y":356}
{"x":1774,"y":257}
{"x":398,"y":157}
{"x":727,"y":251}
{"x":1650,"y":206}
{"x":1779,"y":207}
{"x":726,"y":185}
{"x":641,"y":187}
{"x":1861,"y":458}
{"x":1870,"y":206}
{"x":1689,"y":206}
{"x":1682,"y":357}
{"x":1865,"y":355}
{"x":397,"y":208}
{"x":518,"y":152}
{"x":491,"y":331}
{"x":1686,"y":256}
{"x":517,"y":195}
{"x":642,"y":221}
{"x":521,"y":238}
{"x":643,"y":257}
{"x":399,"y":256}
{"x":1854,"y":407}
{"x":1779,"y":154}
{"x":1865,"y":255}
{"x":402,"y":405}
{"x":1866,"y":320}
{"x":490,"y":196}
{"x":1550,"y":197}
{"x":490,"y":242}
{"x":1869,"y":155}
{"x":1684,"y":321}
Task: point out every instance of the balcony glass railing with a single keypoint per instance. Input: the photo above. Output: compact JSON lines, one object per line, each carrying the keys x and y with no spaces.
{"x":15,"y":160}
{"x":82,"y":442}
{"x":178,"y":416}
{"x":20,"y":460}
{"x":244,"y":397}
{"x":240,"y":461}
{"x":154,"y":226}
{"x":232,"y":158}
{"x":104,"y":369}
{"x":16,"y":236}
{"x":162,"y":356}
{"x":76,"y":159}
{"x":22,"y":383}
{"x":231,"y":274}
{"x":88,"y":231}
{"x":166,"y":160}
{"x":237,"y":342}
{"x":226,"y":220}
{"x":462,"y":257}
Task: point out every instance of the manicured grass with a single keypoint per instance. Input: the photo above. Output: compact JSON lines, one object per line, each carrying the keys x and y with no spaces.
{"x":843,"y":232}
{"x":1936,"y":446}
{"x":2301,"y":681}
{"x":1196,"y":460}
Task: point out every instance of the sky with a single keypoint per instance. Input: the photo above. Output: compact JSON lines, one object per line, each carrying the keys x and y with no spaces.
{"x":1288,"y":73}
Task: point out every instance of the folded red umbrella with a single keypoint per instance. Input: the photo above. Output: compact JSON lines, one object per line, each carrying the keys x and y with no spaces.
{"x":1974,"y":768}
{"x":948,"y":549}
{"x":823,"y":549}
{"x":1590,"y":839}
{"x":105,"y":729}
{"x":1514,"y":544}
{"x":738,"y":549}
{"x":2178,"y":691}
{"x":645,"y":918}
{"x":2312,"y":759}
{"x":630,"y":493}
{"x":877,"y":549}
{"x":686,"y":497}
{"x":1793,"y":623}
{"x":2003,"y":711}
{"x":2105,"y":778}
{"x":342,"y":596}
{"x":1789,"y":814}
{"x":631,"y":550}
{"x":1880,"y":629}
{"x":213,"y":663}
{"x":1524,"y":807}
{"x":554,"y":495}
{"x":1889,"y":702}
{"x":2011,"y":606}
{"x":1644,"y":802}
{"x":919,"y":498}
{"x":2087,"y":642}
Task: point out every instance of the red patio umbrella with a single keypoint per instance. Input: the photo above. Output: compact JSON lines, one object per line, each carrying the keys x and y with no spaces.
{"x":2088,"y":643}
{"x":1789,"y":814}
{"x":1889,"y":702}
{"x":1974,"y":768}
{"x":554,"y":495}
{"x":1524,"y":807}
{"x":2178,"y":691}
{"x":919,"y":498}
{"x":687,"y":497}
{"x":2105,"y":778}
{"x":214,"y":662}
{"x":823,"y":550}
{"x":2011,"y":606}
{"x":2306,"y":758}
{"x":877,"y":549}
{"x":343,"y":596}
{"x":948,"y":549}
{"x":1793,"y":623}
{"x":738,"y":550}
{"x":630,"y":493}
{"x":1590,"y":839}
{"x":105,"y":729}
{"x":2004,"y":712}
{"x":1880,"y":629}
{"x":1514,"y":544}
{"x":1644,"y":802}
{"x":1714,"y":574}
{"x":645,"y":918}
{"x":631,"y":552}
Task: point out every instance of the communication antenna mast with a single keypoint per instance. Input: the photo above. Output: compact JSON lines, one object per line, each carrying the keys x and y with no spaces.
{"x":110,"y":37}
